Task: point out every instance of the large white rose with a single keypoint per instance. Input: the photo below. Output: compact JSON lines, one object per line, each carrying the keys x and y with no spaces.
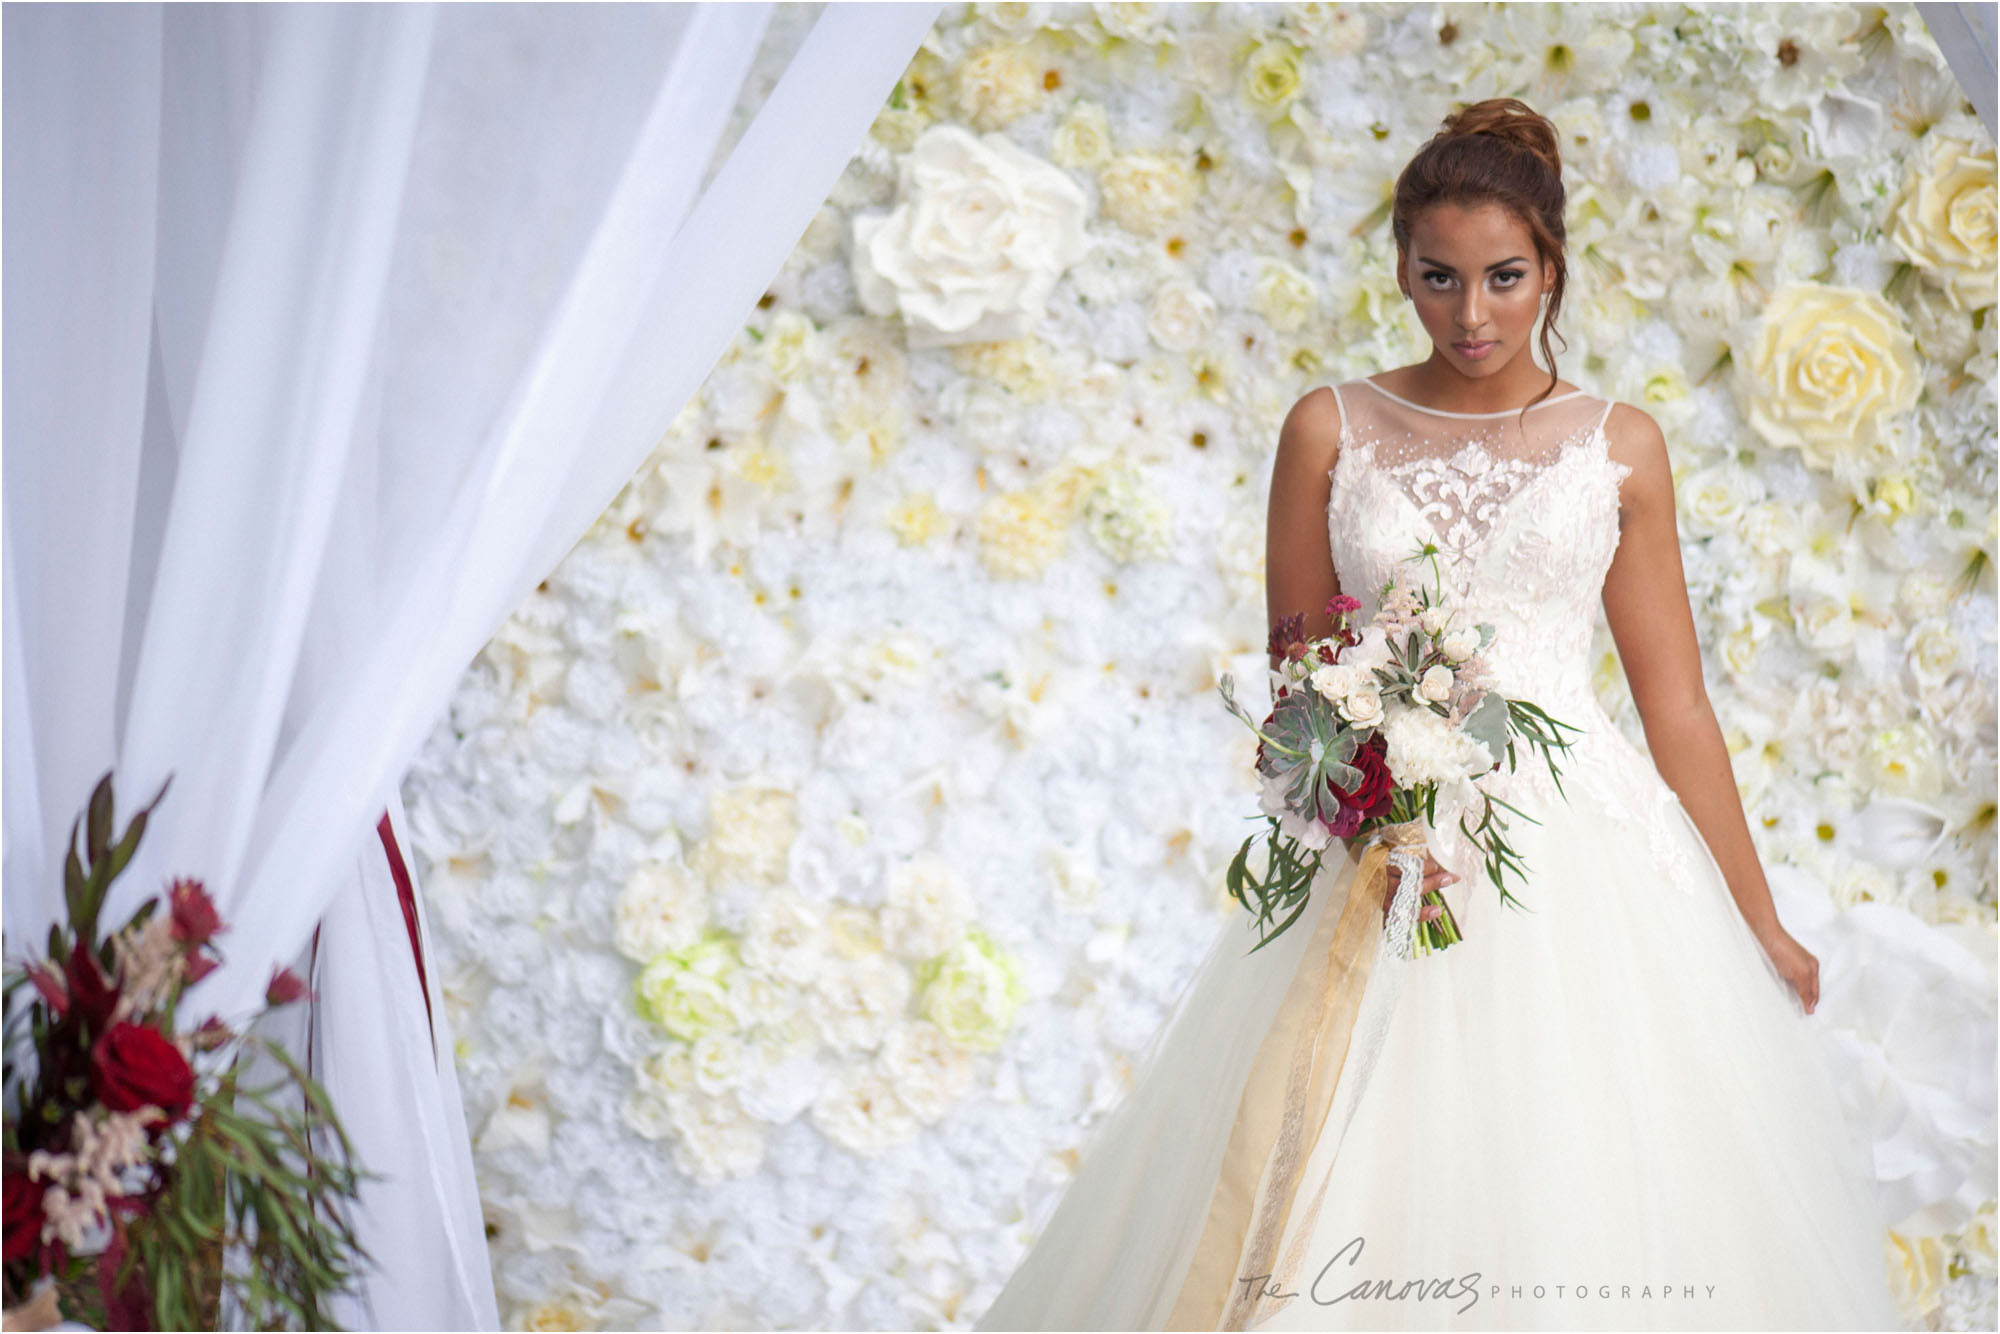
{"x":1826,"y":367}
{"x":1944,"y":220}
{"x":979,"y":235}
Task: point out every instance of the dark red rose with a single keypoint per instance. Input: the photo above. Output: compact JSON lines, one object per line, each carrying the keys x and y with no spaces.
{"x":133,"y":1066}
{"x":195,"y":920}
{"x":90,"y":991}
{"x":1372,"y":794}
{"x":24,"y":1216}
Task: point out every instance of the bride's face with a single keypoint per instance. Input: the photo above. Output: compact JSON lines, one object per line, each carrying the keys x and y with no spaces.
{"x":1476,"y":283}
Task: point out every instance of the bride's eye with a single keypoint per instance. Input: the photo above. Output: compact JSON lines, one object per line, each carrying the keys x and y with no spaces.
{"x":1436,"y":274}
{"x":1512,"y":276}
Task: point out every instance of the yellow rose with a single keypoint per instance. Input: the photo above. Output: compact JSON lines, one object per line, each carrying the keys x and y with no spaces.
{"x":1146,"y":192}
{"x":1084,"y":137}
{"x":997,"y":86}
{"x":1944,"y":221}
{"x":1271,"y":77}
{"x":1825,"y":368}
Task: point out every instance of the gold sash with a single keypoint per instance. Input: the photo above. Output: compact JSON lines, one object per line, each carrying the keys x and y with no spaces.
{"x":1285,"y":1100}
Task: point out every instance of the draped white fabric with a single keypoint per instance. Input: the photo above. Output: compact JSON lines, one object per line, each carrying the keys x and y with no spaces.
{"x":328,"y":330}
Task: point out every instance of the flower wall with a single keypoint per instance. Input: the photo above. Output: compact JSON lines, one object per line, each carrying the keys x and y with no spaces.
{"x":812,"y":855}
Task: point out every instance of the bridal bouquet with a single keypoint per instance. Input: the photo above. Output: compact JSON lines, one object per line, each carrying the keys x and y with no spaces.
{"x":145,"y":1177}
{"x":1368,"y":727}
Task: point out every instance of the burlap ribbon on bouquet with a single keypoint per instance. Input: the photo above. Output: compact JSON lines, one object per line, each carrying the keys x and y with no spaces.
{"x":1286,"y":1099}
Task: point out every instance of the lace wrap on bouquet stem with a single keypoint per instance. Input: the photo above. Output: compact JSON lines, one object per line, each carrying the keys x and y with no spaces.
{"x":1288,"y":1095}
{"x":1406,"y":846}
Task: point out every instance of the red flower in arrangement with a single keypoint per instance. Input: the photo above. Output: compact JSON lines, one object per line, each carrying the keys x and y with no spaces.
{"x":90,"y":991}
{"x":1288,"y":636}
{"x":195,"y":919}
{"x":1371,"y":795}
{"x":24,"y":1216}
{"x":133,"y":1066}
{"x":285,"y":988}
{"x":49,"y":982}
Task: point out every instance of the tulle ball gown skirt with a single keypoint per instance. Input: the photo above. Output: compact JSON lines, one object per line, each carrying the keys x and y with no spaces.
{"x":1607,"y":1111}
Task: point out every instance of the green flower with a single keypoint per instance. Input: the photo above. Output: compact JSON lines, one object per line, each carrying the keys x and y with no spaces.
{"x":971,"y":992}
{"x":686,"y":992}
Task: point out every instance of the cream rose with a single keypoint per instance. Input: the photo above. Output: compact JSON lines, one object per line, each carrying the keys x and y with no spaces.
{"x":1084,"y":137}
{"x":980,"y":233}
{"x":1363,"y":707}
{"x":1183,"y":316}
{"x":1459,"y":644}
{"x":998,"y":86}
{"x":1944,"y":220}
{"x":1435,"y":684}
{"x":1284,"y":296}
{"x":1824,"y":369}
{"x":1146,"y":192}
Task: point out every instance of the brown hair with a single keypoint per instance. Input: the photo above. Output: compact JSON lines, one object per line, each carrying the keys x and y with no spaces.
{"x":1500,"y":151}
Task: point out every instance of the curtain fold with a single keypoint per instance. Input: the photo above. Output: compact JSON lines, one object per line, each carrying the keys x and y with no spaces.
{"x":329,"y":330}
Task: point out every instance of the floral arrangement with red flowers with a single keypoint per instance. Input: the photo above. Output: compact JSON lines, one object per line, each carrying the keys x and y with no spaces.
{"x":151,"y":1181}
{"x":1369,"y":726}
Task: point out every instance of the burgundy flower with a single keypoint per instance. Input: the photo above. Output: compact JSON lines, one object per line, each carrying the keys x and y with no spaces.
{"x":133,"y":1066}
{"x":1288,"y":636}
{"x":199,"y":965}
{"x":90,"y":991}
{"x":195,"y":920}
{"x":1341,"y":605}
{"x":285,"y":988}
{"x":24,"y":1216}
{"x":1371,"y":795}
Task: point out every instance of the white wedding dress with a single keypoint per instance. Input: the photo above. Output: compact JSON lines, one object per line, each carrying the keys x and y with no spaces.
{"x":1605,"y":1112}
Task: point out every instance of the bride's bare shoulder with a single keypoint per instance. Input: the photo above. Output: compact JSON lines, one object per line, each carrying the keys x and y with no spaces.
{"x":1310,"y":436}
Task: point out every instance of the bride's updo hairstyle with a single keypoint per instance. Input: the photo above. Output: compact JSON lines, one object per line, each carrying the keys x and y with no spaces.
{"x":1500,"y":151}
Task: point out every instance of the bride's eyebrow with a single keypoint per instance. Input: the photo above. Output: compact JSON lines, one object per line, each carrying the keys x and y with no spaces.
{"x":1440,"y":264}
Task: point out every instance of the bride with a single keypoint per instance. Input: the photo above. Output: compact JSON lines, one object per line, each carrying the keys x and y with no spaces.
{"x":1604,"y":1111}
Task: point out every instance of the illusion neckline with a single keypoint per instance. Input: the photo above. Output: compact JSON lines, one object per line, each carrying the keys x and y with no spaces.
{"x":1440,"y":412}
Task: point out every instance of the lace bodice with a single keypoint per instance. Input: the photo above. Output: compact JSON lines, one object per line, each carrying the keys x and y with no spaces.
{"x":1523,"y":508}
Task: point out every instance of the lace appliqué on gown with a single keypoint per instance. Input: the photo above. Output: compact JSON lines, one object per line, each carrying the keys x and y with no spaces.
{"x":1522,"y":509}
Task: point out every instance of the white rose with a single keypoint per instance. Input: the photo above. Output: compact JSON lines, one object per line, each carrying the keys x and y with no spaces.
{"x":1713,"y":498}
{"x":1182,"y":316}
{"x":1146,"y":192}
{"x":1363,"y":707}
{"x":1459,"y":644}
{"x":926,"y":909}
{"x":1432,"y":619}
{"x":1944,"y":220}
{"x":1335,"y":681}
{"x":928,"y":1073}
{"x":856,"y":1003}
{"x":860,"y":1112}
{"x":1826,"y":368}
{"x":1934,"y":649}
{"x":979,"y":235}
{"x":660,"y":910}
{"x":785,"y":937}
{"x":1436,"y":684}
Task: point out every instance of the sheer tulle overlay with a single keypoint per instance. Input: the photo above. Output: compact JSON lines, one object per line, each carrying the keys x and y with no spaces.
{"x":1603,"y":1109}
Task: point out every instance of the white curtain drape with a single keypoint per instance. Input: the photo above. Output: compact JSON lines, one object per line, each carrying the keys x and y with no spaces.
{"x":328,"y":331}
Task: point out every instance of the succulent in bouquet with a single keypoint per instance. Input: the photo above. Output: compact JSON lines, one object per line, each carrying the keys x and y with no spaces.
{"x":1369,"y":725}
{"x":152,"y":1181}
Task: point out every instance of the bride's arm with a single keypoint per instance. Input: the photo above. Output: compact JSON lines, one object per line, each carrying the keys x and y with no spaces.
{"x":1646,"y":605}
{"x":1298,"y":556}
